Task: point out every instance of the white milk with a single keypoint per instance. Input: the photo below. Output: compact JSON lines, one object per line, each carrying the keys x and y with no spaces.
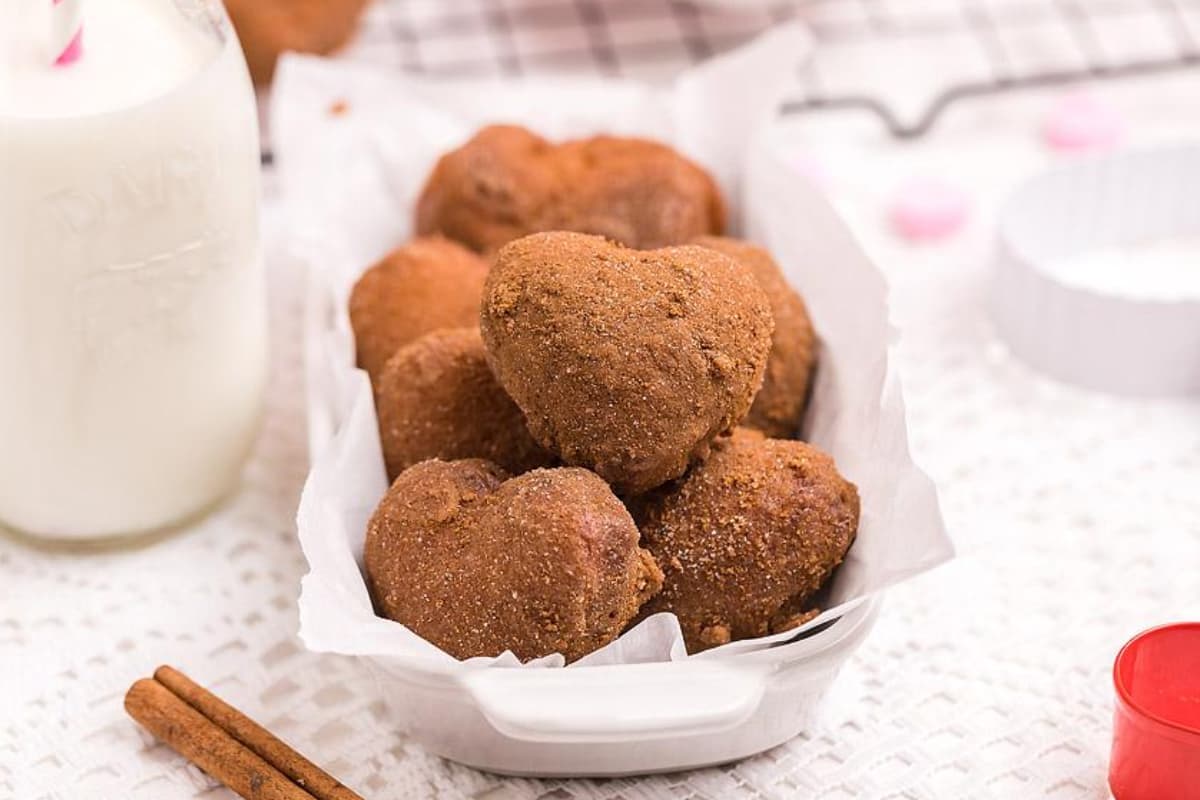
{"x":133,"y":345}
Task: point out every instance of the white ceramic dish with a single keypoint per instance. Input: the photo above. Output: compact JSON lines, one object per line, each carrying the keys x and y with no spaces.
{"x":623,"y":719}
{"x":1134,"y":338}
{"x":640,"y":704}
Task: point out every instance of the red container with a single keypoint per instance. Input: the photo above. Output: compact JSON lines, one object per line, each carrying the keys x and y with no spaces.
{"x":1156,"y":726}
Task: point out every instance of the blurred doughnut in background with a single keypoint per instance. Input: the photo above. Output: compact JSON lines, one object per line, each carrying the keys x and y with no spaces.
{"x":268,"y":28}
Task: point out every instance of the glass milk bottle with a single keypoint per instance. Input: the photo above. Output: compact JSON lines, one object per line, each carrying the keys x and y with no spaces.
{"x":133,"y":350}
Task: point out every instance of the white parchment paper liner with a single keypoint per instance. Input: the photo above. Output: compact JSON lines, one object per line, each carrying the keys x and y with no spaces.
{"x":350,"y":181}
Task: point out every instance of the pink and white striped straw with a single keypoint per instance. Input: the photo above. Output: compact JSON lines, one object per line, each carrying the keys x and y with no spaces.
{"x":66,"y":31}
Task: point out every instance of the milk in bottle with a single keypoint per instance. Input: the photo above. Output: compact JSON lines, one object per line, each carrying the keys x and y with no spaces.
{"x":133,"y":345}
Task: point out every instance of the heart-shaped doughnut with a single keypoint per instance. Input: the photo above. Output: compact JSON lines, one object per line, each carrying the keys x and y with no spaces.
{"x":628,"y":362}
{"x":268,"y":28}
{"x":779,"y":405}
{"x":476,"y":564}
{"x":425,"y":285}
{"x":746,"y":538}
{"x":437,"y":398}
{"x":507,"y":182}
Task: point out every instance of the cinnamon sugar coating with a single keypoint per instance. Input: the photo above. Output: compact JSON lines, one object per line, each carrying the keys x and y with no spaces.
{"x":425,"y":285}
{"x":747,"y":537}
{"x":778,"y":407}
{"x":437,"y":398}
{"x":507,"y":182}
{"x":628,"y":362}
{"x":477,"y":563}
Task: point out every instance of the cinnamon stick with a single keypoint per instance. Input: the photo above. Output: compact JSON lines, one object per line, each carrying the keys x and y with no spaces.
{"x":255,"y":737}
{"x":193,"y":736}
{"x":225,"y":743}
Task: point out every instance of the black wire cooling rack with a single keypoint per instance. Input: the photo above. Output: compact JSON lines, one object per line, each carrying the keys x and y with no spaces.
{"x":1015,"y":45}
{"x":1002,"y":45}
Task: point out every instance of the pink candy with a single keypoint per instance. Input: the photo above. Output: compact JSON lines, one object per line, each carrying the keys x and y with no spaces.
{"x":926,"y":209}
{"x":1079,"y":121}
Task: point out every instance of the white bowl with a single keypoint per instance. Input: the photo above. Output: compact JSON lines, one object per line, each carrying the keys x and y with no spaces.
{"x":1131,"y":338}
{"x":623,"y":719}
{"x":650,"y":708}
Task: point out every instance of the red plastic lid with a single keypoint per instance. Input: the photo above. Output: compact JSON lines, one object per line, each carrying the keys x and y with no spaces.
{"x":1157,"y":678}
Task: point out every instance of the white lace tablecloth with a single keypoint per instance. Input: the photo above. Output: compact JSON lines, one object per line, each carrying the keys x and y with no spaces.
{"x":1077,"y":516}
